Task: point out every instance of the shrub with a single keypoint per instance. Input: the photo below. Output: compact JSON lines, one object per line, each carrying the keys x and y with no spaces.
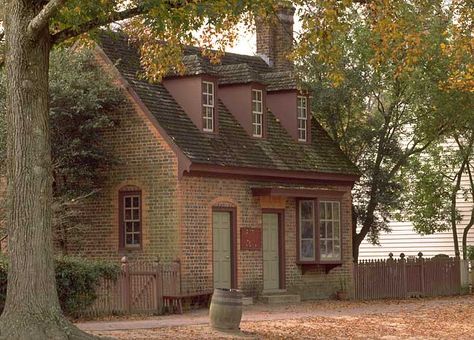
{"x":470,"y":253}
{"x":76,"y":281}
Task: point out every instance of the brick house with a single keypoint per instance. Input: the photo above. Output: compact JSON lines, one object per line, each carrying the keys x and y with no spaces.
{"x":224,"y":169}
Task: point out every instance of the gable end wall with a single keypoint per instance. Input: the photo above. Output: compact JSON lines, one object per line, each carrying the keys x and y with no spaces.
{"x":145,"y":160}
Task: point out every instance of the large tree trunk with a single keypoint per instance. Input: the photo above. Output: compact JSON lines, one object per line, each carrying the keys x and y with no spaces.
{"x":32,"y":308}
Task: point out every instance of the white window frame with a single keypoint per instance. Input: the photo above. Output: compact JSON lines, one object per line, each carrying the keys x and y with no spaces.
{"x":302,"y":114}
{"x":208,"y":103}
{"x":333,"y":223}
{"x":257,"y":115}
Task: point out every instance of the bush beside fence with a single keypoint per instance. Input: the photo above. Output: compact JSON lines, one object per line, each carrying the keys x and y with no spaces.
{"x":77,"y":281}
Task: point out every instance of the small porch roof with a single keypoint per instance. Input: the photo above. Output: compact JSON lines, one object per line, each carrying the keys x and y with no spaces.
{"x":296,"y":192}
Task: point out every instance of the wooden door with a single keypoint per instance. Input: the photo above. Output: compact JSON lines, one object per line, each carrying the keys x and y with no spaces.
{"x":221,"y":240}
{"x":271,"y":260}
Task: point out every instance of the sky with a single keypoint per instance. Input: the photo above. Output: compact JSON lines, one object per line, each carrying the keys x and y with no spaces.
{"x":246,"y":42}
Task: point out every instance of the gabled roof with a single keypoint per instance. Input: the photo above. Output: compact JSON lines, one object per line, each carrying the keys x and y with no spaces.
{"x":232,"y":146}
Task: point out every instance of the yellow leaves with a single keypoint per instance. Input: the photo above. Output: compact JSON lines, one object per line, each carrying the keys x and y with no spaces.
{"x":211,"y":25}
{"x":401,"y":36}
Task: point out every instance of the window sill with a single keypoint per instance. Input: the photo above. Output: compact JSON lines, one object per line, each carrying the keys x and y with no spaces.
{"x":130,"y":248}
{"x":327,"y":265}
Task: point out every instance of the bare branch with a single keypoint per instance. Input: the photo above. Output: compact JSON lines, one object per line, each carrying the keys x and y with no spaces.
{"x":95,"y":23}
{"x":41,"y":20}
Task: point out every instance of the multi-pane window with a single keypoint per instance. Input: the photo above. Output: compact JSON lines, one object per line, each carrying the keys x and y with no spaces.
{"x":131,"y":218}
{"x":208,"y":106}
{"x":307,"y":234}
{"x":257,"y":113}
{"x":319,"y":223}
{"x":302,"y":109}
{"x":329,"y":231}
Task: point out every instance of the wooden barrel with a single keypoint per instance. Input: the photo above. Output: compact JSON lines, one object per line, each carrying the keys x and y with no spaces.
{"x":225,"y":312}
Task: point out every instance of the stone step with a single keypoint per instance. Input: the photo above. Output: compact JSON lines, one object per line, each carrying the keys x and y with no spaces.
{"x":247,"y":300}
{"x":280,"y":298}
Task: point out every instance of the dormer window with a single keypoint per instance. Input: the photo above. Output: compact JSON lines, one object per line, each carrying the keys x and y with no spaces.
{"x":257,"y":113}
{"x":302,"y":110}
{"x":208,"y":106}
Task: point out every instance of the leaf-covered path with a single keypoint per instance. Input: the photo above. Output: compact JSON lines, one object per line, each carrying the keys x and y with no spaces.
{"x":444,"y":318}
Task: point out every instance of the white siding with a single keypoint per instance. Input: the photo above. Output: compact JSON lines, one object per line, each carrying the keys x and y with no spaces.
{"x":403,"y":239}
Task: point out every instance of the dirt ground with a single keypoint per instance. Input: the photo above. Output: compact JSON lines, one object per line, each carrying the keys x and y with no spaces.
{"x":442,"y":318}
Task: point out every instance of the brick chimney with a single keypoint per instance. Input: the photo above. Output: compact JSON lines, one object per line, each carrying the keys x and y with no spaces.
{"x":275,"y":38}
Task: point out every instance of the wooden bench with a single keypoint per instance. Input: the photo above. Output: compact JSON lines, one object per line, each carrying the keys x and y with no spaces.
{"x":174,"y":303}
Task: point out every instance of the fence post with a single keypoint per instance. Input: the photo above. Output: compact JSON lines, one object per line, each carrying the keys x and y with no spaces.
{"x":159,"y":287}
{"x":422,"y":273}
{"x":178,"y":263}
{"x":404,"y":275}
{"x":126,"y":283}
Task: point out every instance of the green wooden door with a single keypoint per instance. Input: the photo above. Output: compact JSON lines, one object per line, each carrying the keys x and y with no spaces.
{"x":271,"y":261}
{"x":221,"y":249}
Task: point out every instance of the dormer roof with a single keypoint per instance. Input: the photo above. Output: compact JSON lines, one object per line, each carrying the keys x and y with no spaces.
{"x":236,"y":74}
{"x":195,"y":65}
{"x":279,"y":81}
{"x":232,"y":147}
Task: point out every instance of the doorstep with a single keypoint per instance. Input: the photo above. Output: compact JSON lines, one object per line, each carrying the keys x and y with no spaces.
{"x":247,"y":300}
{"x":273,"y":298}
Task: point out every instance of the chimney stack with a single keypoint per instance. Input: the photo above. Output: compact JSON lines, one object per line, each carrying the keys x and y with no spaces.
{"x":275,"y":38}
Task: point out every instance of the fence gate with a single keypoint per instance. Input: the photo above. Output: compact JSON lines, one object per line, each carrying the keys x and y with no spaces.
{"x":142,"y":289}
{"x":139,"y":288}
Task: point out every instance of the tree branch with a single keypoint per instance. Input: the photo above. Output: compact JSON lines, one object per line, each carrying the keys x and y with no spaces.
{"x":41,"y":20}
{"x":95,"y":23}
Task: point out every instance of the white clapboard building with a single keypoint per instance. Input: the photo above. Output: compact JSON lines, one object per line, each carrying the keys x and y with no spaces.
{"x":403,"y":239}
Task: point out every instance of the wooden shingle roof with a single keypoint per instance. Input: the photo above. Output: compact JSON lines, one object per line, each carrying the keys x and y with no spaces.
{"x":232,"y":146}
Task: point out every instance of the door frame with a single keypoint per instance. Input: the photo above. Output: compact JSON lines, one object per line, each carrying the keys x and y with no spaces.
{"x":233,"y":242}
{"x":281,"y":244}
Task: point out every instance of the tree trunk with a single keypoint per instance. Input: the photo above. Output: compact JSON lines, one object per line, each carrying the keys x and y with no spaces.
{"x":366,"y":224}
{"x":464,"y":237}
{"x":355,"y":247}
{"x":32,"y":308}
{"x":471,"y":184}
{"x":453,"y":221}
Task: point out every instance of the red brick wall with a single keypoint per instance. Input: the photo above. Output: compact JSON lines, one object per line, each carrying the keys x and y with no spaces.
{"x":144,"y":160}
{"x":199,"y":194}
{"x":275,"y":38}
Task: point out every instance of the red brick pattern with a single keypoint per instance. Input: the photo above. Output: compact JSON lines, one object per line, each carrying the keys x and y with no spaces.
{"x":144,"y":160}
{"x":199,"y":194}
{"x":275,"y":39}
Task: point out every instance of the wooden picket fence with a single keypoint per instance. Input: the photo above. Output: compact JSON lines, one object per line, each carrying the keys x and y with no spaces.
{"x":139,"y":288}
{"x":402,"y":278}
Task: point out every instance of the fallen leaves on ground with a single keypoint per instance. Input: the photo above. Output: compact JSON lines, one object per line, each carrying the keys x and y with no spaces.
{"x":449,"y":318}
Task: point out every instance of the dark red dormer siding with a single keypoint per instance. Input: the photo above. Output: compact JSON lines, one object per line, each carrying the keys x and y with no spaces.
{"x":238,"y":100}
{"x":283,"y":105}
{"x":187,"y":91}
